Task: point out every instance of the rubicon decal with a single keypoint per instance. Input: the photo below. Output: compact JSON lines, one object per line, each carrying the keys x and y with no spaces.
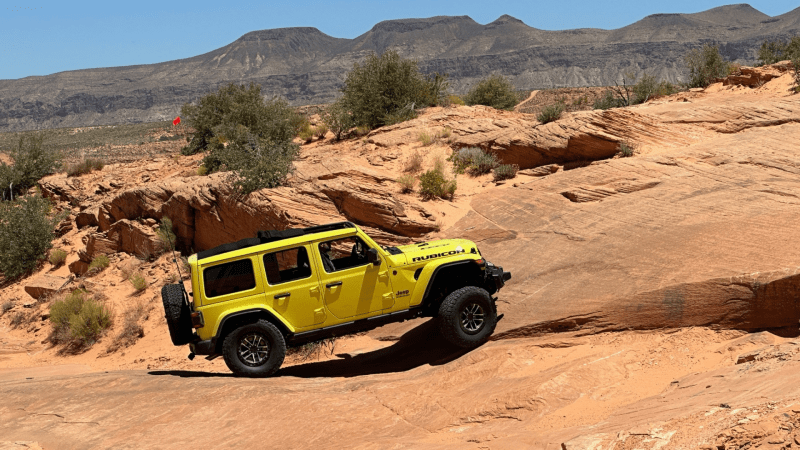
{"x":437,"y":255}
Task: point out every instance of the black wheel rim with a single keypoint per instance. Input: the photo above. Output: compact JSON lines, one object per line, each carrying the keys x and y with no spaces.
{"x":253,"y":349}
{"x":472,"y":318}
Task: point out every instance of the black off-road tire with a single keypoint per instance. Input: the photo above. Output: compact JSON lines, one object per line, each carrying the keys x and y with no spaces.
{"x":467,"y":317}
{"x":178,"y":315}
{"x":237,"y":350}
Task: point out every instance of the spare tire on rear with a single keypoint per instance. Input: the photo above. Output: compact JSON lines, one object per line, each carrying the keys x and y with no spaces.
{"x":177,"y":313}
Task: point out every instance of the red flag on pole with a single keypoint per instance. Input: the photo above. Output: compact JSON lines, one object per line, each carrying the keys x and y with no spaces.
{"x":177,"y":120}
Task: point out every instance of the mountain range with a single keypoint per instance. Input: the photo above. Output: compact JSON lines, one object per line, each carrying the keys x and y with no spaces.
{"x":306,"y":66}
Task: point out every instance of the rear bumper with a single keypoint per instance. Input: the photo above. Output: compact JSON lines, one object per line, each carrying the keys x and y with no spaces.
{"x":207,"y":347}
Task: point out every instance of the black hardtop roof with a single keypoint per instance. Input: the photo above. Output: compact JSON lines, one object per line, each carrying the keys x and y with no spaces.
{"x":263,"y":237}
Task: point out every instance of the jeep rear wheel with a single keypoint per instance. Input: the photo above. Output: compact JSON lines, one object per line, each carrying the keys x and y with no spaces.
{"x":177,"y":313}
{"x":254,"y":350}
{"x":467,"y":317}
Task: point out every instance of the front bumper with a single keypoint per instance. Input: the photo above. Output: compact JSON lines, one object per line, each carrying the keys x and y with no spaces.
{"x":496,"y":275}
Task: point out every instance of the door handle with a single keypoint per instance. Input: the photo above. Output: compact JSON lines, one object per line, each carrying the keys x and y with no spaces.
{"x":287,"y":294}
{"x":335,"y":283}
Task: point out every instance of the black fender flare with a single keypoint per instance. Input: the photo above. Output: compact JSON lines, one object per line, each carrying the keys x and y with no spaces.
{"x":425,"y":297}
{"x":233,"y":318}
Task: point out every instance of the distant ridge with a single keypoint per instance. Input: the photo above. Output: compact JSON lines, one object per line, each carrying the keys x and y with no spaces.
{"x":307,"y":66}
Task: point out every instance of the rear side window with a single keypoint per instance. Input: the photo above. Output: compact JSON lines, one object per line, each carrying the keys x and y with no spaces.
{"x":228,"y":278}
{"x":287,"y":265}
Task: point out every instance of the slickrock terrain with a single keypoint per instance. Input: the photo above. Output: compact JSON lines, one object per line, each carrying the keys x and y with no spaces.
{"x":654,"y":302}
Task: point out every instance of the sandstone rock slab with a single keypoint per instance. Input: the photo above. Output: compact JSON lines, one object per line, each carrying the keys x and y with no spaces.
{"x":44,"y":285}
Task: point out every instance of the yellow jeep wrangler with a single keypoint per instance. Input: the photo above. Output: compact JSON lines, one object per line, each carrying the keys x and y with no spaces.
{"x":255,"y":297}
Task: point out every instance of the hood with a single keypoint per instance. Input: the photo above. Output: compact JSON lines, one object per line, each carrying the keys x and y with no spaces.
{"x":416,"y":253}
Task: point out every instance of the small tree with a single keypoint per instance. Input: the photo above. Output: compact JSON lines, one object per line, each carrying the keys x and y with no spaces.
{"x":772,"y":52}
{"x":495,"y":91}
{"x":388,"y":88}
{"x":705,"y":65}
{"x":30,"y":163}
{"x":338,"y":119}
{"x":26,"y":233}
{"x":244,"y":134}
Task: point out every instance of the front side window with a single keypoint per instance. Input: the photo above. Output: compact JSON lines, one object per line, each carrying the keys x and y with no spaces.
{"x":228,"y":278}
{"x":341,"y":254}
{"x":287,"y":265}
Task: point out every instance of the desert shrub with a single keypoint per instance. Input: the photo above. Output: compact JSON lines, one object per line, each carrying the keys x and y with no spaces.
{"x":306,"y":133}
{"x":455,"y":100}
{"x":495,"y":91}
{"x":30,"y":162}
{"x":361,"y":130}
{"x":99,"y":263}
{"x":473,"y":160}
{"x":202,"y":170}
{"x":320,"y":130}
{"x":311,"y":350}
{"x":505,"y":172}
{"x":444,"y":133}
{"x":426,"y":138}
{"x":387,"y":88}
{"x":434,"y":184}
{"x":132,"y":329}
{"x":551,"y":113}
{"x":138,"y":281}
{"x":245,"y":134}
{"x":84,"y":167}
{"x":57,"y":257}
{"x":17,"y":320}
{"x":608,"y":101}
{"x":407,"y":183}
{"x":7,"y":306}
{"x":772,"y":52}
{"x":705,"y":65}
{"x":165,"y":234}
{"x":26,"y":233}
{"x":414,"y":163}
{"x":626,"y":149}
{"x":338,"y":119}
{"x":78,"y":319}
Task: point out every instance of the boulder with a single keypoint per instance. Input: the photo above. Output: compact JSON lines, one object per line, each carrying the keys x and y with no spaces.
{"x":79,"y":267}
{"x":87,"y":217}
{"x":97,"y":243}
{"x":44,"y":285}
{"x":134,"y":238}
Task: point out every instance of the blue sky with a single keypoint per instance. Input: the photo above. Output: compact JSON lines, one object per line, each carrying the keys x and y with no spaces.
{"x":40,"y":38}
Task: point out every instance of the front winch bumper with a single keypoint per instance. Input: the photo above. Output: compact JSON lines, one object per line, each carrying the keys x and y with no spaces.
{"x":496,"y":274}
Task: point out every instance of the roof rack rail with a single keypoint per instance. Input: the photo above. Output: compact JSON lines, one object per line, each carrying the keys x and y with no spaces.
{"x":262,"y":237}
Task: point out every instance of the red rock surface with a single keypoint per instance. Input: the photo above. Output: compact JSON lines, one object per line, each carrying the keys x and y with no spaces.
{"x":634,"y":317}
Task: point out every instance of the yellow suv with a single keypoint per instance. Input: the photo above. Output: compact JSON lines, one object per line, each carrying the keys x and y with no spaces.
{"x":253,"y":297}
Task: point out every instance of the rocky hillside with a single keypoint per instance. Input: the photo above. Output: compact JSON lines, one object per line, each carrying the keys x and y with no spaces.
{"x":307,"y":66}
{"x":654,"y":301}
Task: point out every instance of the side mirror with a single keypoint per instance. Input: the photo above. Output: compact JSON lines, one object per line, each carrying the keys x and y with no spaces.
{"x":372,"y":256}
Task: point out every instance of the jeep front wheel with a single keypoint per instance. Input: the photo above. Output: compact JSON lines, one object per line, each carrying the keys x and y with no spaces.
{"x":254,"y":350}
{"x":467,"y":317}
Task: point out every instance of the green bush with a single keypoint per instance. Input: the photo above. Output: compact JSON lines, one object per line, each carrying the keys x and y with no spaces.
{"x":165,"y":234}
{"x":626,"y":149}
{"x":78,"y":319}
{"x":473,"y":160}
{"x":551,"y":113}
{"x":320,"y":131}
{"x":425,"y":138}
{"x":338,"y":119}
{"x":30,"y":162}
{"x":138,"y":281}
{"x":306,"y":133}
{"x":455,"y":100}
{"x":705,"y":65}
{"x":244,"y":134}
{"x":26,"y":233}
{"x":82,"y":168}
{"x":99,"y":263}
{"x":434,"y":184}
{"x":495,"y":91}
{"x":387,"y":89}
{"x":57,"y":257}
{"x":407,"y":183}
{"x":505,"y":172}
{"x":608,"y":101}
